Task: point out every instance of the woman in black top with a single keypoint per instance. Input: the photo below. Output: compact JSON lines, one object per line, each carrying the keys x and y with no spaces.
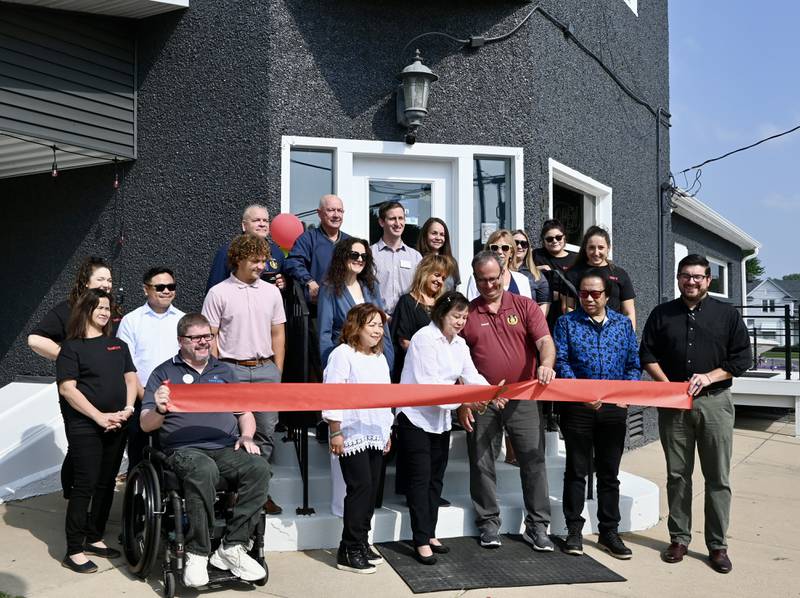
{"x":97,"y":387}
{"x":554,"y":261}
{"x":413,"y":310}
{"x":594,"y":251}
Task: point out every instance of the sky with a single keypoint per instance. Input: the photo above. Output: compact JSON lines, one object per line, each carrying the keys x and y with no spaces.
{"x":735,"y":79}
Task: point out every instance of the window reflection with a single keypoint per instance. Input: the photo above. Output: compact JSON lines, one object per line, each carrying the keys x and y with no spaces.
{"x":492,"y":201}
{"x":310,"y":177}
{"x":415,"y":198}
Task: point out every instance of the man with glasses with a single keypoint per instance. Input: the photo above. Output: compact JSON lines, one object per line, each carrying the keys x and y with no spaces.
{"x":247,"y":316}
{"x":597,"y":343}
{"x":698,"y":339}
{"x":201,"y":448}
{"x":255,"y":221}
{"x":149,"y":331}
{"x":509,"y":341}
{"x":395,"y":262}
{"x":310,"y":257}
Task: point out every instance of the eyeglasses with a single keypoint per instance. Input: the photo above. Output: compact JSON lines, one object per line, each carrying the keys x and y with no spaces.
{"x":685,"y":277}
{"x":160,"y":288}
{"x":196,"y":338}
{"x":482,"y":281}
{"x":554,"y":238}
{"x":355,"y":256}
{"x":594,"y":294}
{"x":503,"y":248}
{"x":521,"y":243}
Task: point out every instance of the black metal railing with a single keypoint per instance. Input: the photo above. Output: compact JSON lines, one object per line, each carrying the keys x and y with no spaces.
{"x":788,"y":330}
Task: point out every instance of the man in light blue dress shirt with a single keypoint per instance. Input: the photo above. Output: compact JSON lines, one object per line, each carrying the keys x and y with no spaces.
{"x":395,"y":262}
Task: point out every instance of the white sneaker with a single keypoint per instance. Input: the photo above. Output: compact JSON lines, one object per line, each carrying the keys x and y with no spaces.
{"x":236,"y":560}
{"x":195,"y":570}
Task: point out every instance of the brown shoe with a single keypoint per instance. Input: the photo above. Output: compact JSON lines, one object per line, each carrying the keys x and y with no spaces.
{"x":271,"y":507}
{"x":675,"y":553}
{"x":719,"y":560}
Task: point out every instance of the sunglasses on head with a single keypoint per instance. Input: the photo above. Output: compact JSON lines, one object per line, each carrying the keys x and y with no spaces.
{"x":521,"y":243}
{"x":355,"y":256}
{"x":594,"y":294}
{"x":554,"y":238}
{"x":503,"y":248}
{"x":160,"y":288}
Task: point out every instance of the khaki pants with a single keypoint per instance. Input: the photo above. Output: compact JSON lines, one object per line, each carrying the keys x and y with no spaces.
{"x":708,"y":425}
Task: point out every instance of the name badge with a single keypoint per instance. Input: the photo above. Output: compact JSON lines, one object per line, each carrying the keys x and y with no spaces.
{"x":405,"y":264}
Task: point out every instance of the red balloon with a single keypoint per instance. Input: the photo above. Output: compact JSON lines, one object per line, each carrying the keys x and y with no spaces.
{"x":284,"y":229}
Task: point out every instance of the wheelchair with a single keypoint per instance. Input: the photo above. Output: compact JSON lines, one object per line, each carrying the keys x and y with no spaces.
{"x":153,"y":524}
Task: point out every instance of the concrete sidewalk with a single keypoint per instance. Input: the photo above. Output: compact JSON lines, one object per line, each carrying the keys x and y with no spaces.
{"x":764,"y":543}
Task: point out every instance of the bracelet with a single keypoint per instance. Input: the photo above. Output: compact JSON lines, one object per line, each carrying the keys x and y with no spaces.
{"x":128,"y":408}
{"x":160,"y":412}
{"x":334,"y":434}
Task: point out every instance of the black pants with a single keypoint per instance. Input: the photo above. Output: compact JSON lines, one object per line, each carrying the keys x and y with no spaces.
{"x":96,"y":456}
{"x":137,"y":439}
{"x":604,"y":431}
{"x":362,"y":475}
{"x":425,"y":456}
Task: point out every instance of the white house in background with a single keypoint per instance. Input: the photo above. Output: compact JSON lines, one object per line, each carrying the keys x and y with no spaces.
{"x":768,"y":298}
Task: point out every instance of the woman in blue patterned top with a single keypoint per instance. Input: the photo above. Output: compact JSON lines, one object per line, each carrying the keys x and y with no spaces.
{"x":597,"y":343}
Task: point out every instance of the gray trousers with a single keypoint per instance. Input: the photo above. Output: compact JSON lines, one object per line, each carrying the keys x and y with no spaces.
{"x":265,"y":420}
{"x":708,"y":425}
{"x":522,"y":421}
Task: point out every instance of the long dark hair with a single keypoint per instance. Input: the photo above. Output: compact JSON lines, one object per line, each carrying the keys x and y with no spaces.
{"x":337,"y":272}
{"x":593,"y":231}
{"x":422,"y":240}
{"x":81,"y":313}
{"x":82,"y":276}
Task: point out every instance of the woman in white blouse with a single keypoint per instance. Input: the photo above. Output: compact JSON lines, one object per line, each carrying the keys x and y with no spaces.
{"x":359,"y":437}
{"x":436,"y":355}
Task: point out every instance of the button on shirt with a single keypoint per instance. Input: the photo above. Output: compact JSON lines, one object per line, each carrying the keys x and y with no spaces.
{"x":244,"y":314}
{"x":686,"y":342}
{"x":151,"y":337}
{"x":395,"y":270}
{"x":432,"y":359}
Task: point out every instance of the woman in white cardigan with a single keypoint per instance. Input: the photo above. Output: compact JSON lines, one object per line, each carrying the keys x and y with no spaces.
{"x":359,"y":438}
{"x":501,"y":242}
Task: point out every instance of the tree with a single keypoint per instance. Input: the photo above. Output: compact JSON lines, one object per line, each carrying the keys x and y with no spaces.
{"x":755,"y":269}
{"x":795,"y":276}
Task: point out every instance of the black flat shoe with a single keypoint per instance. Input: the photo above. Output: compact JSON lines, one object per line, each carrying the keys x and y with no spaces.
{"x":105,"y":552}
{"x":87,"y":567}
{"x":439,"y":548}
{"x":425,"y":560}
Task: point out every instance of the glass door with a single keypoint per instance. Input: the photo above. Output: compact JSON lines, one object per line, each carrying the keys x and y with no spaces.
{"x":415,"y":197}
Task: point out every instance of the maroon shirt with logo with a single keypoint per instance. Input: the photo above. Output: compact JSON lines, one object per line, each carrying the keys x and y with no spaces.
{"x":503,"y":345}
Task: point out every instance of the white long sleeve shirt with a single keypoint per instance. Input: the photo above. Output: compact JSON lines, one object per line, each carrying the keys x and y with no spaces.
{"x":362,"y":428}
{"x":151,"y":337}
{"x":432,"y":359}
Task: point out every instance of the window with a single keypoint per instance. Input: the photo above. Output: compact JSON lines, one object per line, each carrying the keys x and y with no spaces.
{"x":772,"y":305}
{"x":416,"y":200}
{"x":579,"y":202}
{"x":719,"y":278}
{"x":493,"y":204}
{"x":310,"y":177}
{"x":764,"y":305}
{"x":633,"y":5}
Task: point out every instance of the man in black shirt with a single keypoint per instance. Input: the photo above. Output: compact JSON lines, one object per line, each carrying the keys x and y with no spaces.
{"x":698,"y":339}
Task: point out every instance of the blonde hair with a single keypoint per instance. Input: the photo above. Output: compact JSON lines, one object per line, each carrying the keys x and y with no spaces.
{"x":528,"y":259}
{"x":430,"y":263}
{"x":503,"y":233}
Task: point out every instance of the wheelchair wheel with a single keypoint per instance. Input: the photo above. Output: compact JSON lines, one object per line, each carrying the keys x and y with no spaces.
{"x":169,"y":584}
{"x":262,"y":582}
{"x":141,"y":519}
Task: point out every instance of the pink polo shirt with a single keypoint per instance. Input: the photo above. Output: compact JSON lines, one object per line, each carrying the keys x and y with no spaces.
{"x":244,"y":314}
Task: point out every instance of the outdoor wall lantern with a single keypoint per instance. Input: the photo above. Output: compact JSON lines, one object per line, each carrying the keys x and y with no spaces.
{"x":412,"y":96}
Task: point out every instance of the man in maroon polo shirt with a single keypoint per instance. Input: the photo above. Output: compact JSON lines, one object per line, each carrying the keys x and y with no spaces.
{"x":509,"y":340}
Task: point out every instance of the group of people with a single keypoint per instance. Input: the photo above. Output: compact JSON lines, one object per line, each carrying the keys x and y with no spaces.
{"x":388,"y":312}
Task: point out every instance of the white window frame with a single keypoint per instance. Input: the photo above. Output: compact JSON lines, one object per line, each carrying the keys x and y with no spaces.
{"x":461,"y":157}
{"x":597,"y":211}
{"x":725,"y":291}
{"x":633,"y":5}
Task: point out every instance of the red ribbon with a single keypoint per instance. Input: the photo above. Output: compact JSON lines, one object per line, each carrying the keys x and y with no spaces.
{"x":209,"y":398}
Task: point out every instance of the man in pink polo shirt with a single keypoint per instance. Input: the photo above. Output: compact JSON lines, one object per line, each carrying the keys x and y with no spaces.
{"x":247,"y":318}
{"x":509,"y":340}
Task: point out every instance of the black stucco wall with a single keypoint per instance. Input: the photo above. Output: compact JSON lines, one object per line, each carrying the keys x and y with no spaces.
{"x":699,"y":240}
{"x":220,"y":83}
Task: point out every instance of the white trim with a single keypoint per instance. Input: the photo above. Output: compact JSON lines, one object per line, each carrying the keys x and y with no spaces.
{"x":633,"y":5}
{"x":724,"y":265}
{"x":681,"y":251}
{"x":696,"y":211}
{"x":600,"y":207}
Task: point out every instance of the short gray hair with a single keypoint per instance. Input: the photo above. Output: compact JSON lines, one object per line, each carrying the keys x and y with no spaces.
{"x":484,"y":257}
{"x":253,"y":206}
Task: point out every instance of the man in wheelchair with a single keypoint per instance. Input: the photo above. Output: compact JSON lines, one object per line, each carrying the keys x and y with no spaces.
{"x":201,"y":448}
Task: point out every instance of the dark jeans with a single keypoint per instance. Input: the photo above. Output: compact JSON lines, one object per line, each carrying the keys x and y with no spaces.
{"x":425,"y":455}
{"x":604,"y":431}
{"x":95,"y":456}
{"x":362,"y":475}
{"x":137,"y":439}
{"x":199,"y":471}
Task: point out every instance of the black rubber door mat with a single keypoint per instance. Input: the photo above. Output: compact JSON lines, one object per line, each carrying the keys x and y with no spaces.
{"x":515,"y":564}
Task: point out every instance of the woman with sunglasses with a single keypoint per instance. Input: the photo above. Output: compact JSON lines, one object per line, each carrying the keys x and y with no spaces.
{"x":97,"y":387}
{"x":524,"y":264}
{"x":350,"y":281}
{"x":434,"y":238}
{"x":359,"y":438}
{"x":595,"y":247}
{"x":501,"y":242}
{"x":554,"y":261}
